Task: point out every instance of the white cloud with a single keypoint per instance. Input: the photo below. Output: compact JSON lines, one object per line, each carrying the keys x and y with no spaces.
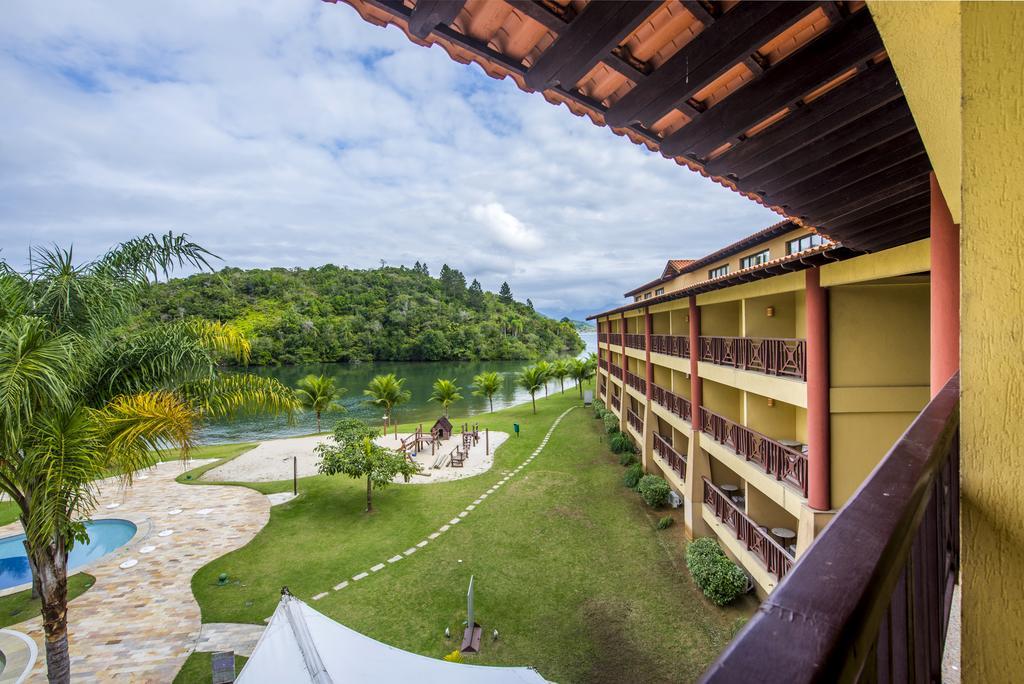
{"x":506,"y":228}
{"x":293,"y":134}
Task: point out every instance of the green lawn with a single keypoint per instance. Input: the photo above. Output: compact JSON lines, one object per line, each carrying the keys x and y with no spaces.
{"x":198,"y":669}
{"x":569,"y":566}
{"x":15,"y":608}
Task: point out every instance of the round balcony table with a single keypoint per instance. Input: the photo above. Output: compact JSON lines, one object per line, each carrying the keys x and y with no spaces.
{"x":784,"y":535}
{"x":729,"y":489}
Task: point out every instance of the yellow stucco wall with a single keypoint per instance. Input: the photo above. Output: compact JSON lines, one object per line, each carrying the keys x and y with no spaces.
{"x":923,"y":42}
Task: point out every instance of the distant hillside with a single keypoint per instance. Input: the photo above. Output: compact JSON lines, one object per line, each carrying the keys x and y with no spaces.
{"x":581,"y":326}
{"x":340,"y":314}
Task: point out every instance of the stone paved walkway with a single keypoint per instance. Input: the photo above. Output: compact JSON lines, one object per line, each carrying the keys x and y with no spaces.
{"x":140,"y":624}
{"x":229,"y":636}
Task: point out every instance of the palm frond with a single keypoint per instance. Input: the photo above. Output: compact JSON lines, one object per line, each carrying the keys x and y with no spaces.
{"x":240,"y":393}
{"x":221,"y":337}
{"x":134,"y":427}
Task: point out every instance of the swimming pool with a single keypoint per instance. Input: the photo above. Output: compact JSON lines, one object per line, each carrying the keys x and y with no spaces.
{"x":104,"y":537}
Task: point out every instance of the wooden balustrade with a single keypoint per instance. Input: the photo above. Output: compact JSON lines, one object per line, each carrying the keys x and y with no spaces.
{"x":675,"y":460}
{"x":603,"y":363}
{"x":786,"y":464}
{"x":873,"y":592}
{"x":672,"y":345}
{"x":635,"y":421}
{"x":615,"y":339}
{"x":758,"y":542}
{"x":602,"y":337}
{"x":616,"y":403}
{"x":636,"y":382}
{"x":616,"y":371}
{"x":635,"y":341}
{"x":771,"y":356}
{"x":678,"y":405}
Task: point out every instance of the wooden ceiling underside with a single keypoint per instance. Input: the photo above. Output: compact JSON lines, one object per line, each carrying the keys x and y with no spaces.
{"x":794,"y":104}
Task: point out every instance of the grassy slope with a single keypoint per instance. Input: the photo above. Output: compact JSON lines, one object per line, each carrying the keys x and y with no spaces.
{"x":198,"y":669}
{"x":569,"y":567}
{"x":15,"y":608}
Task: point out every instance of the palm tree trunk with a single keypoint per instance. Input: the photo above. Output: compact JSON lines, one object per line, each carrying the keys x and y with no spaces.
{"x":490,"y":400}
{"x":580,"y":385}
{"x":51,"y":578}
{"x":369,"y":495}
{"x":533,"y":398}
{"x":318,"y":421}
{"x":562,"y":380}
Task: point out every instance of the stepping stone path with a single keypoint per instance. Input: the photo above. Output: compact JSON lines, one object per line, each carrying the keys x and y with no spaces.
{"x":462,"y":514}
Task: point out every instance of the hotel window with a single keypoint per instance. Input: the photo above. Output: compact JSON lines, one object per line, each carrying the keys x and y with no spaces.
{"x":802,"y":243}
{"x":637,"y":298}
{"x":755,"y":259}
{"x":647,"y":295}
{"x":718,"y":272}
{"x":659,"y":291}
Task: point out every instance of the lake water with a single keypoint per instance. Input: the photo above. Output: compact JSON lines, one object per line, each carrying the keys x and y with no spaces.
{"x":420,"y":376}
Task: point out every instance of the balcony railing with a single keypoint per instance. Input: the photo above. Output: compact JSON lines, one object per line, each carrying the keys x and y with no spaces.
{"x":676,"y":404}
{"x":636,"y":382}
{"x":672,"y":345}
{"x":615,"y":371}
{"x":635,"y":341}
{"x":615,"y":402}
{"x":771,"y":356}
{"x":676,"y":461}
{"x":602,"y":337}
{"x":614,"y":339}
{"x":635,"y":421}
{"x":872,"y":594}
{"x":786,"y":464}
{"x":603,"y":363}
{"x":775,"y":559}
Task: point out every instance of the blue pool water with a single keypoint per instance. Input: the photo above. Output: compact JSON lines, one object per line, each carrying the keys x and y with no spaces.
{"x":104,"y":537}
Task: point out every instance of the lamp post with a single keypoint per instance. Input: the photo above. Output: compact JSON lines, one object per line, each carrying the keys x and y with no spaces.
{"x":295,"y":474}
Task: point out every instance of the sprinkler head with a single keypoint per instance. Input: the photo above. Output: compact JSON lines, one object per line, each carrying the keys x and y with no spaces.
{"x":222,"y":579}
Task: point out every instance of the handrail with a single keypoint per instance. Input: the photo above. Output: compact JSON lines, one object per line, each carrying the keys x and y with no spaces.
{"x":676,"y":461}
{"x":615,"y":370}
{"x":676,"y":404}
{"x":775,"y":558}
{"x":671,"y":345}
{"x":786,"y":464}
{"x":769,"y":355}
{"x":602,"y":363}
{"x":615,"y":339}
{"x":870,"y":599}
{"x":635,"y":341}
{"x":635,"y":421}
{"x":602,"y":337}
{"x":616,"y":403}
{"x":636,"y":382}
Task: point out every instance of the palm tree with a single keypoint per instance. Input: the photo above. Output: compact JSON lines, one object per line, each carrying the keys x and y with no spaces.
{"x":446,"y":393}
{"x":545,"y":370}
{"x":560,"y":371}
{"x":88,"y":391}
{"x":317,"y":393}
{"x":530,"y":379}
{"x":487,"y":384}
{"x":580,"y":370}
{"x":385,"y":391}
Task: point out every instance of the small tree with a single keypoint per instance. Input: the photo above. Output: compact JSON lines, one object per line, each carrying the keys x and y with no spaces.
{"x":317,"y":393}
{"x":560,"y":371}
{"x":354,"y":453}
{"x":487,"y":384}
{"x":505,"y":294}
{"x":580,"y":371}
{"x":446,"y":393}
{"x":531,"y":379}
{"x":386,"y":392}
{"x":545,"y":370}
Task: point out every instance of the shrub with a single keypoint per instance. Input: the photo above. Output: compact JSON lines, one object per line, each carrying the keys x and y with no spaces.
{"x":627,"y":458}
{"x":454,"y":657}
{"x":633,"y":475}
{"x":599,"y":408}
{"x":721,"y":580}
{"x":667,"y":521}
{"x":611,"y":423}
{"x":622,"y":443}
{"x":654,"y":490}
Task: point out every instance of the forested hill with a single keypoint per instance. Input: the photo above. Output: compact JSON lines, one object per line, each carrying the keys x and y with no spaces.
{"x":341,"y":314}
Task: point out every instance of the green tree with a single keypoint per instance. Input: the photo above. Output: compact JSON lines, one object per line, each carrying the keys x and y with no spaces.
{"x":318,"y":393}
{"x":476,"y":295}
{"x":560,"y":371}
{"x":580,"y":370}
{"x":446,"y":393}
{"x":386,"y":392}
{"x":487,"y":384}
{"x":505,"y":294}
{"x":356,"y":454}
{"x":531,"y":379}
{"x":86,"y":392}
{"x":545,"y":369}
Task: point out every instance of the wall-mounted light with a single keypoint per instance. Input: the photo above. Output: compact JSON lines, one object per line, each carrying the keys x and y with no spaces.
{"x":769,"y":311}
{"x":771,"y":402}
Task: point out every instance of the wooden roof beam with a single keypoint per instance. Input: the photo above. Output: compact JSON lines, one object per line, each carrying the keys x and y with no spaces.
{"x":855,"y":194}
{"x":847,"y":45}
{"x":589,"y":38}
{"x":429,"y":13}
{"x":540,"y":14}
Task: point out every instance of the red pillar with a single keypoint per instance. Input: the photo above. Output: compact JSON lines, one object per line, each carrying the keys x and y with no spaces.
{"x":818,"y":434}
{"x":647,"y":351}
{"x":695,"y":384}
{"x":625,"y":362}
{"x":945,"y":291}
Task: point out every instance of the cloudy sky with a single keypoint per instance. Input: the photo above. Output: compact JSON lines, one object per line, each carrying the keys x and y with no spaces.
{"x":291,"y":133}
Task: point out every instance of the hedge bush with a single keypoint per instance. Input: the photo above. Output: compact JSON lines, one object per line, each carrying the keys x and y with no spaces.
{"x":599,"y":408}
{"x":627,"y":458}
{"x":611,"y":423}
{"x":654,"y":490}
{"x":667,"y":521}
{"x":622,"y":443}
{"x":721,"y":580}
{"x":633,"y":475}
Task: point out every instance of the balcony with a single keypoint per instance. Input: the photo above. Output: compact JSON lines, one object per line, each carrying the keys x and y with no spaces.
{"x":613,"y":338}
{"x":873,"y":592}
{"x":614,"y":371}
{"x":671,"y":345}
{"x":754,"y":537}
{"x":674,"y":403}
{"x":602,"y":337}
{"x":634,"y":341}
{"x":636,"y":382}
{"x":635,"y":421}
{"x":616,"y":403}
{"x":675,"y":460}
{"x":603,"y":363}
{"x":780,"y":357}
{"x":786,"y":464}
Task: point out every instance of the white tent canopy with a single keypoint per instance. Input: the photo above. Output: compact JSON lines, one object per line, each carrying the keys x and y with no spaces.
{"x":302,"y":645}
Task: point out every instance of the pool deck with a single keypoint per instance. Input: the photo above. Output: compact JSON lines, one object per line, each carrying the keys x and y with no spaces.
{"x":140,"y":624}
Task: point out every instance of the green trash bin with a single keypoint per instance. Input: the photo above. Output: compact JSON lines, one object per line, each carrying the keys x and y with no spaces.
{"x":515,"y":428}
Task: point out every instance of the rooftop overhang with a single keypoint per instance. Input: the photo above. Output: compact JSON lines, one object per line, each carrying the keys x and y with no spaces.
{"x":793,"y":104}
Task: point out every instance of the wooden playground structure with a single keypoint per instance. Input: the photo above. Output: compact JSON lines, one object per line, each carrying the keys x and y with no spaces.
{"x":441,"y":432}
